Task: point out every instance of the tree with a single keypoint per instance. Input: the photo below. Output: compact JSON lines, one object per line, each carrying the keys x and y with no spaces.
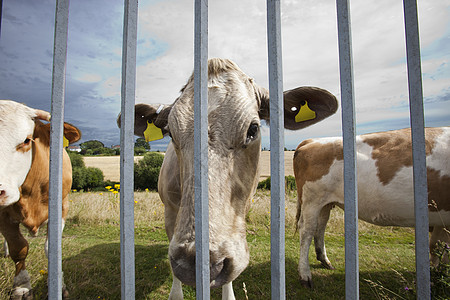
{"x":146,"y":171}
{"x":140,"y":142}
{"x":93,"y":144}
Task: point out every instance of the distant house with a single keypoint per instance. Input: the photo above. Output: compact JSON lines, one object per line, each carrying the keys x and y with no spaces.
{"x":115,"y":147}
{"x":75,"y":148}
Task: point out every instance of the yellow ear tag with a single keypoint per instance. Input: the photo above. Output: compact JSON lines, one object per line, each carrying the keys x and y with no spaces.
{"x":152,"y":133}
{"x":305,"y":114}
{"x":65,"y":142}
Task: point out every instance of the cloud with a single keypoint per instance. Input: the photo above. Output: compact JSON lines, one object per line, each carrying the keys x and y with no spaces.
{"x":237,"y":30}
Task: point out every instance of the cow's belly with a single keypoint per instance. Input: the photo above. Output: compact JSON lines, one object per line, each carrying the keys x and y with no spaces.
{"x":392,"y":204}
{"x":385,"y":205}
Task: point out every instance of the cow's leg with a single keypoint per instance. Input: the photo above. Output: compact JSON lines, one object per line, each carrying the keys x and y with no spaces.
{"x":319,"y":237}
{"x":18,"y":249}
{"x":5,"y":248}
{"x":176,"y":292}
{"x":307,"y":228}
{"x":439,"y":234}
{"x":227,"y":291}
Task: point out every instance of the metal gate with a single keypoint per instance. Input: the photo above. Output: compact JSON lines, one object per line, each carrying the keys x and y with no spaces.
{"x":276,"y":145}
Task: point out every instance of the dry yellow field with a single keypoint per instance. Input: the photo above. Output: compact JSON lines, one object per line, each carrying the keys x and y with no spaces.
{"x":110,"y":165}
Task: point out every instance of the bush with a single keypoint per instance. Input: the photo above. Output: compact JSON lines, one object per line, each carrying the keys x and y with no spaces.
{"x":78,"y":178}
{"x":94,"y":178}
{"x":440,"y":274}
{"x":139,"y":150}
{"x":84,"y":178}
{"x":289,"y":181}
{"x":265,"y":184}
{"x":146,"y":171}
{"x":76,"y":159}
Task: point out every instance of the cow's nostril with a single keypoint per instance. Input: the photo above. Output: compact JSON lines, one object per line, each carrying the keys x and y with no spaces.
{"x":216,"y":269}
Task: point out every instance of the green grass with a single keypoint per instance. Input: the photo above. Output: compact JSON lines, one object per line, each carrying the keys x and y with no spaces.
{"x":91,"y":255}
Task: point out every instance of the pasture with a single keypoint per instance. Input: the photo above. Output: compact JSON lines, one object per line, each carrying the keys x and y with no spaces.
{"x":91,"y":254}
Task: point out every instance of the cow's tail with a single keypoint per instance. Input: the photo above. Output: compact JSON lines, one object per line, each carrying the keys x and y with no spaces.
{"x":299,"y":182}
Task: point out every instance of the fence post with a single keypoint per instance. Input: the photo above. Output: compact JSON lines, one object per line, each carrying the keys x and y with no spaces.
{"x":201,"y":150}
{"x":127,"y":263}
{"x":1,"y":16}
{"x":277,"y":197}
{"x":348,"y":132}
{"x":56,"y":146}
{"x":418,"y":149}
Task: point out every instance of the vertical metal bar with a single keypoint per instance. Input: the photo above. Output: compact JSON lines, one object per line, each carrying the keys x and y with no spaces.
{"x":418,"y":149}
{"x":127,"y":263}
{"x":201,"y":150}
{"x":56,"y":146}
{"x":1,"y":16}
{"x":277,"y":206}
{"x":348,"y":128}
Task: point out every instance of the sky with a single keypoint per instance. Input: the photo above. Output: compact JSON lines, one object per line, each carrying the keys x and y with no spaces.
{"x":237,"y":30}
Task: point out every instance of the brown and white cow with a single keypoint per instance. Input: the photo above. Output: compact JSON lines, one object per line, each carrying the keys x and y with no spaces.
{"x":25,"y":143}
{"x":236,"y":106}
{"x":385,"y":186}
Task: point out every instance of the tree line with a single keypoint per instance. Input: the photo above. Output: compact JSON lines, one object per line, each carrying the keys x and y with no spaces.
{"x":95,"y":147}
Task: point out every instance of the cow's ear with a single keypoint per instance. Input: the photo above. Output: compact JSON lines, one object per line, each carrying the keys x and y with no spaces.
{"x":150,"y":117}
{"x":71,"y":133}
{"x":303,"y":106}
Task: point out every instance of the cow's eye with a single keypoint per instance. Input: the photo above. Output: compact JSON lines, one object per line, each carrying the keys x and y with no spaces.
{"x":252,"y":132}
{"x":25,"y":145}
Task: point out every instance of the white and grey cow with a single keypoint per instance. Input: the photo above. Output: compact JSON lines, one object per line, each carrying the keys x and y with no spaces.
{"x":385,"y":186}
{"x":236,"y":106}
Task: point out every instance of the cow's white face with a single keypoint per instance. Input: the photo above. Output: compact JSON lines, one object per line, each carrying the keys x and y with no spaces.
{"x":236,"y":106}
{"x":16,"y":136}
{"x":233,"y":157}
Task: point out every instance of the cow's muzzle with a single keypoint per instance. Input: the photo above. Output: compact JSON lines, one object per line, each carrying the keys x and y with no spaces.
{"x":183,"y":267}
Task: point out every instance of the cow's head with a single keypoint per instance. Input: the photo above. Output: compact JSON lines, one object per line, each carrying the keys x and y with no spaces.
{"x":17,"y":123}
{"x":236,"y":106}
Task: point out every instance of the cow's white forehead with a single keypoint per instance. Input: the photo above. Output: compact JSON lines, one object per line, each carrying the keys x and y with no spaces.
{"x":12,"y":112}
{"x":230,"y":92}
{"x":16,"y":121}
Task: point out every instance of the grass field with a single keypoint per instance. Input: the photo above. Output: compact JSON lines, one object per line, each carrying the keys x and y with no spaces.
{"x":91,"y":254}
{"x":110,"y":165}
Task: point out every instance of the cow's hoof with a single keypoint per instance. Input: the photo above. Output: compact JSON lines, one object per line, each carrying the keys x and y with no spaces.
{"x":327,"y":265}
{"x":21,"y":294}
{"x":65,"y":293}
{"x":307,"y":283}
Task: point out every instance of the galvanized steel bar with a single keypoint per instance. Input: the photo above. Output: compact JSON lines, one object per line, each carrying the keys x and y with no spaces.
{"x":201,"y":150}
{"x":277,"y":193}
{"x":1,"y":16}
{"x":127,"y":263}
{"x":348,"y":132}
{"x":418,"y":149}
{"x":56,"y":147}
